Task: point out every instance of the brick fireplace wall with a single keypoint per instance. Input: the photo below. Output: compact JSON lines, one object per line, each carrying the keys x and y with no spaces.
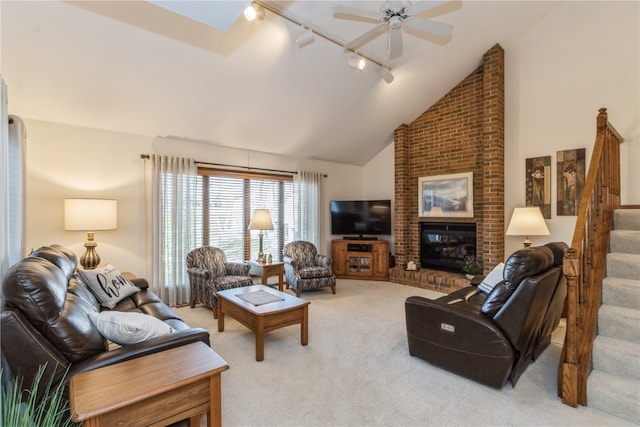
{"x":462,"y":132}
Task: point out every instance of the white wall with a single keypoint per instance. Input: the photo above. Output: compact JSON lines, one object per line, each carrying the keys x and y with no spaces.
{"x":67,"y":161}
{"x":582,"y":56}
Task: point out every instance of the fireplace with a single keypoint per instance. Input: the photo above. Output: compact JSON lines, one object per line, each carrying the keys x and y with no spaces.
{"x":444,"y":246}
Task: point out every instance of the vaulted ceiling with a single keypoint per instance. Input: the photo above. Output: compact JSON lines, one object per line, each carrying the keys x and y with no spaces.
{"x":135,"y":67}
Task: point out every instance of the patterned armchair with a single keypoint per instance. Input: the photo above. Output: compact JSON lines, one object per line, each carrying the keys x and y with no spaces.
{"x":305,"y":269}
{"x":209,"y":272}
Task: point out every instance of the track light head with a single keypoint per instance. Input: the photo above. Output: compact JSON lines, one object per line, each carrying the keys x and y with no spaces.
{"x":386,"y":75}
{"x":254,"y":11}
{"x":357,"y":62}
{"x":305,"y":38}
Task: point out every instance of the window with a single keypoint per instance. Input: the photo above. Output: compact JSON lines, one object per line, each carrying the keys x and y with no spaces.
{"x":227,"y":201}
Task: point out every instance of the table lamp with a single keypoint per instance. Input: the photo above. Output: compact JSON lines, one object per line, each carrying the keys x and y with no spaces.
{"x":90,"y":215}
{"x":527,"y":222}
{"x":261,"y":220}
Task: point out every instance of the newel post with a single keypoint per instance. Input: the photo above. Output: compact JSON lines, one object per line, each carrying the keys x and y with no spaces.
{"x":571,"y":269}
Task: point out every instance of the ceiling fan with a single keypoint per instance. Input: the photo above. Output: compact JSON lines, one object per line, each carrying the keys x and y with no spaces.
{"x":393,"y":15}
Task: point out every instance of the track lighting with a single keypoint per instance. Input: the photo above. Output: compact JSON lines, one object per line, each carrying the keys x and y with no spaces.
{"x":386,"y":75}
{"x":357,"y":62}
{"x":305,"y":38}
{"x":254,"y":11}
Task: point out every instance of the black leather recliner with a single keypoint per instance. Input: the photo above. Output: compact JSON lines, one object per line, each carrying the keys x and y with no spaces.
{"x":44,"y":319}
{"x":491,"y":338}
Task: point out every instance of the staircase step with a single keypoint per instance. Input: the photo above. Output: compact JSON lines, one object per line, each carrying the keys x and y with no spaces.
{"x":623,"y":266}
{"x":619,"y":322}
{"x":614,"y":395}
{"x":627,"y":241}
{"x":626,"y":219}
{"x":621,"y":292}
{"x":617,"y":357}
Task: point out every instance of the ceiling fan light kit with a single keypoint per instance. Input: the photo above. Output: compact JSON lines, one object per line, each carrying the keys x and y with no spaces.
{"x":394,"y":16}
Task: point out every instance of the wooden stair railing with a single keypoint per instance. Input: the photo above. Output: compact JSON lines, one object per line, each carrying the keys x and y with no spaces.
{"x":584,"y":264}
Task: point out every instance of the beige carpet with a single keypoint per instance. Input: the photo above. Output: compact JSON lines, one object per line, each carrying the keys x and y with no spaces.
{"x":356,"y":371}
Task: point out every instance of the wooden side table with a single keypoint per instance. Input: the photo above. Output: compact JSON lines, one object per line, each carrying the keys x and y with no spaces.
{"x":154,"y":390}
{"x":266,"y":270}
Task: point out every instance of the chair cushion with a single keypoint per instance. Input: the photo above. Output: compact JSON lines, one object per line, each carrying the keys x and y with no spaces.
{"x":313,"y":272}
{"x":108,"y":285}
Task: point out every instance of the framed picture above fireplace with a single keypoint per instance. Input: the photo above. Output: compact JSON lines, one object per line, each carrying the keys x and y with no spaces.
{"x":446,"y":195}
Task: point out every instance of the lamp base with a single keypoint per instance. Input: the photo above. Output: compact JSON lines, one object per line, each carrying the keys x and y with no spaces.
{"x":90,"y":259}
{"x":527,"y":243}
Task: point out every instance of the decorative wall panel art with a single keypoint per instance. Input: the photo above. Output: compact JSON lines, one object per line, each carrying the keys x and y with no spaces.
{"x":538,"y":179}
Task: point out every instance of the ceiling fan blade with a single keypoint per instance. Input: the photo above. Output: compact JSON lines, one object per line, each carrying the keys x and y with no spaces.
{"x":356,"y":14}
{"x":366,"y":37}
{"x":395,"y":42}
{"x":423,"y":6}
{"x":432,"y":27}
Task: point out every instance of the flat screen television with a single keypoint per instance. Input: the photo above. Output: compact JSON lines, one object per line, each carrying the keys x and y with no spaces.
{"x":361,"y":217}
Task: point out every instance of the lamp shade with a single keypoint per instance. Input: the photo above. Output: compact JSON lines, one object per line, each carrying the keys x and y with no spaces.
{"x":527,"y":222}
{"x":261,"y":220}
{"x":90,"y":214}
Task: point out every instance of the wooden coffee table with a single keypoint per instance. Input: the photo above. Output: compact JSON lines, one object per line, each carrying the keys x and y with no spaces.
{"x":264,"y":318}
{"x":154,"y":390}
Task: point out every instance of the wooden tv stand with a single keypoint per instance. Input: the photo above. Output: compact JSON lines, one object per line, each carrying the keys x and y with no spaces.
{"x":360,"y":259}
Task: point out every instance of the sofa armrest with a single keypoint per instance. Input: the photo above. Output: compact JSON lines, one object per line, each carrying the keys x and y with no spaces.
{"x":145,"y":348}
{"x":140,"y":282}
{"x":25,"y":350}
{"x":459,"y":339}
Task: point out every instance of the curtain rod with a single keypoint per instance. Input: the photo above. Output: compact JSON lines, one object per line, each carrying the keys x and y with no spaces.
{"x":146,"y":156}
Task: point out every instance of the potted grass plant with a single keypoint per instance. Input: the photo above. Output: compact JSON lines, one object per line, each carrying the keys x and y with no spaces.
{"x":20,"y":407}
{"x":471,"y":266}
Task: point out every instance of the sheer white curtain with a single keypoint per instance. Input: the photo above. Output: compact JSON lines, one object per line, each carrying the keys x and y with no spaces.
{"x":12,"y":188}
{"x":310,"y":193}
{"x":171,"y":217}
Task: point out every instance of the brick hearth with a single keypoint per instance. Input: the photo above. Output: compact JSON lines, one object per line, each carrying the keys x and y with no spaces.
{"x":462,"y":132}
{"x":441,"y":281}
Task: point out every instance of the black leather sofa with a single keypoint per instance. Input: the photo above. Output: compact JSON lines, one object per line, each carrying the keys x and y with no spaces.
{"x":45,"y":320}
{"x":492,"y":338}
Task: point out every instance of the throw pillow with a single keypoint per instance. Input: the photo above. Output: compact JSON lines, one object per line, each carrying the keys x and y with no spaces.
{"x":108,"y":285}
{"x":493,"y":278}
{"x":124,"y":328}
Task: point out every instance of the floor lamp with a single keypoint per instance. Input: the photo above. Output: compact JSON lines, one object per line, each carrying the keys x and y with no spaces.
{"x":261,"y":220}
{"x":90,"y":215}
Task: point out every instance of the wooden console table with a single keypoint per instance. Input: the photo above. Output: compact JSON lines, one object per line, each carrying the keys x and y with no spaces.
{"x":154,"y":390}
